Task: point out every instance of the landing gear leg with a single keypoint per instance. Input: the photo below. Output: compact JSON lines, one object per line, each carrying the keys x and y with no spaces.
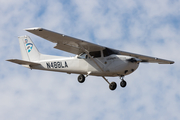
{"x":112,"y":85}
{"x":123,"y":82}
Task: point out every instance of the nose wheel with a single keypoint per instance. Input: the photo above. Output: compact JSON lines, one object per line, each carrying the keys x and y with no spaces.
{"x":123,"y":83}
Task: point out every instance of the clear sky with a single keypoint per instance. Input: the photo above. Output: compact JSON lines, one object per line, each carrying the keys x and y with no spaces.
{"x":149,"y":27}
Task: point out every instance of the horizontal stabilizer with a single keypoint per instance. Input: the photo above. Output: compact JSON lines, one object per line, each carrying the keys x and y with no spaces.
{"x":22,"y":62}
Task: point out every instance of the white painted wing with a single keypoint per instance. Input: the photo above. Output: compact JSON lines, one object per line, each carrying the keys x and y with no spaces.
{"x":65,"y":43}
{"x":148,"y":59}
{"x":73,"y":45}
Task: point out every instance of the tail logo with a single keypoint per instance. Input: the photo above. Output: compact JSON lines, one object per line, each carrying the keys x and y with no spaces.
{"x":29,"y":46}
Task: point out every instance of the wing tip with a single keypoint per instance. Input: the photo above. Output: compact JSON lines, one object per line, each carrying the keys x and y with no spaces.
{"x":10,"y":60}
{"x":34,"y":28}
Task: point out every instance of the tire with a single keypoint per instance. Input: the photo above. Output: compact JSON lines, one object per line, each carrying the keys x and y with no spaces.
{"x":112,"y":86}
{"x":81,"y":78}
{"x":123,"y":83}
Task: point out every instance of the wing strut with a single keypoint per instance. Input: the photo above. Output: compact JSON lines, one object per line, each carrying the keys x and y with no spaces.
{"x":87,"y":52}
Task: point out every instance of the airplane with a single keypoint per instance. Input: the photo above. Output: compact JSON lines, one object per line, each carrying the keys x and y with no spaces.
{"x":90,"y":58}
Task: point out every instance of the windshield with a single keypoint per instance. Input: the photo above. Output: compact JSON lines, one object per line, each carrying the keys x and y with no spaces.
{"x":82,"y":56}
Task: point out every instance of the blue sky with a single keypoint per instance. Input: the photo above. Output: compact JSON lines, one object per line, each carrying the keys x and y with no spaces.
{"x":145,"y":27}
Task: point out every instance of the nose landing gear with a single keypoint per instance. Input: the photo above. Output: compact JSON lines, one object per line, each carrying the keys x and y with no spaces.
{"x":123,"y":82}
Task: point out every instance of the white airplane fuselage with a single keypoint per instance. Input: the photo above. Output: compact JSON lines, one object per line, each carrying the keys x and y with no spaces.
{"x":113,"y":65}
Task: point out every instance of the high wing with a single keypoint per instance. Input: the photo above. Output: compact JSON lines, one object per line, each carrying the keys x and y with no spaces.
{"x":65,"y":43}
{"x":77,"y":46}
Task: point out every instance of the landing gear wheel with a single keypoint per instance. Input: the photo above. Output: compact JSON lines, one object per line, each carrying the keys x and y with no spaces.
{"x":123,"y":83}
{"x":81,"y":78}
{"x":112,"y":86}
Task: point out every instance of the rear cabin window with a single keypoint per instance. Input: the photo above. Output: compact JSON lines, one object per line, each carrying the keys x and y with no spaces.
{"x":95,"y":54}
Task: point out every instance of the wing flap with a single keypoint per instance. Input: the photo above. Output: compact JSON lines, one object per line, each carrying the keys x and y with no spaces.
{"x":70,"y":49}
{"x":22,"y":62}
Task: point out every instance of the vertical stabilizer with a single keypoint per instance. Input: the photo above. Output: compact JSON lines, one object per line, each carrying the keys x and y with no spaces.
{"x":29,"y":51}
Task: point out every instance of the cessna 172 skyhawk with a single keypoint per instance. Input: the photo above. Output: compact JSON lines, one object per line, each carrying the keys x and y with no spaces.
{"x":90,"y":59}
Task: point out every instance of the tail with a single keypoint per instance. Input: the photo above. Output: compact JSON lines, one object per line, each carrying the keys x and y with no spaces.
{"x":29,"y":51}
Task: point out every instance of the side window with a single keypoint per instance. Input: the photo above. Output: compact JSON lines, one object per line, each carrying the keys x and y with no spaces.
{"x":95,"y":54}
{"x":108,"y":52}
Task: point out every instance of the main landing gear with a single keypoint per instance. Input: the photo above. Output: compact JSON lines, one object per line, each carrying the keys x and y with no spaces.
{"x":81,"y":78}
{"x":112,"y":85}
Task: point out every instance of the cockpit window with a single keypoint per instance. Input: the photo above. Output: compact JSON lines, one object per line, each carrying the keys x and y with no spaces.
{"x":95,"y":54}
{"x":108,"y":52}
